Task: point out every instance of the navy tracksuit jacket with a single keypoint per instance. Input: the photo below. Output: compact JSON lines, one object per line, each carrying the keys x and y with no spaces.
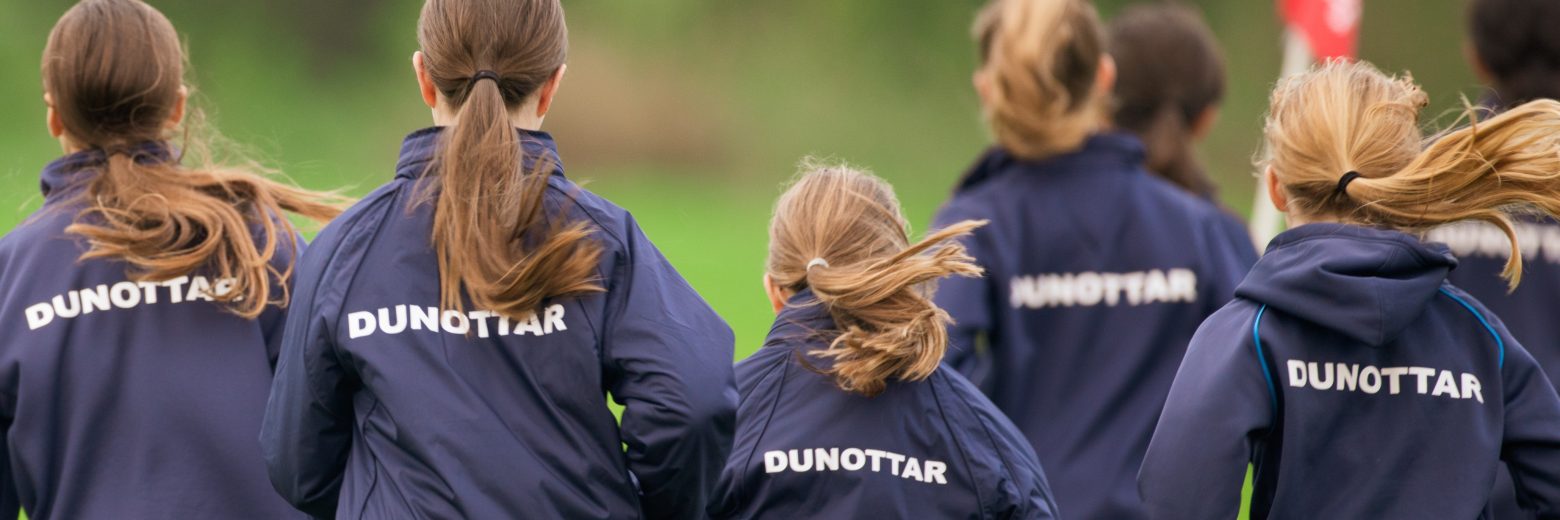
{"x":1097,"y":274}
{"x":124,"y":399}
{"x":1529,"y":312}
{"x":1360,"y":384}
{"x":386,"y":407}
{"x":934,"y":448}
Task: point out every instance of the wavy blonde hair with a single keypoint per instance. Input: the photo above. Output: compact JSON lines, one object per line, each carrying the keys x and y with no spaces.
{"x":876,"y":284}
{"x":1041,"y":58}
{"x":1342,"y":117}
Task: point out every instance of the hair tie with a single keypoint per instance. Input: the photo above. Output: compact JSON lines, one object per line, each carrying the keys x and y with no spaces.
{"x":481,"y":75}
{"x":817,"y":262}
{"x":1343,"y":183}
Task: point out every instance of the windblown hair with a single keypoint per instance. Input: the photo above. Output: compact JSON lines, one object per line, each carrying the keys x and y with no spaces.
{"x":1172,"y":72}
{"x":114,"y":70}
{"x":1517,"y":43}
{"x":1040,"y":58}
{"x":876,"y":285}
{"x":494,"y":239}
{"x":1343,"y":117}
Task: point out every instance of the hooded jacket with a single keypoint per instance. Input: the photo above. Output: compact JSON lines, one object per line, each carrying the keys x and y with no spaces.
{"x":934,"y":448}
{"x":1097,"y":274}
{"x":122,"y":398}
{"x":1360,"y":385}
{"x":385,"y":406}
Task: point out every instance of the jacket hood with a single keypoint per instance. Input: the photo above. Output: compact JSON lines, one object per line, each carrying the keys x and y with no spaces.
{"x":1368,"y":284}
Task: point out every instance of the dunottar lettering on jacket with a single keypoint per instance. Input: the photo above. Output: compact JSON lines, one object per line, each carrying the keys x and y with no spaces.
{"x":124,"y":295}
{"x":1089,"y":289}
{"x":1353,"y":377}
{"x":856,"y":459}
{"x":1538,"y":241}
{"x":401,"y":318}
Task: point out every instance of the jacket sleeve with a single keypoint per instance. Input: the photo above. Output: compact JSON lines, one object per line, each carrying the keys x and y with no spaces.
{"x":668,"y":361}
{"x":307,"y":430}
{"x":968,"y":301}
{"x":1531,"y":445}
{"x":1221,"y":403}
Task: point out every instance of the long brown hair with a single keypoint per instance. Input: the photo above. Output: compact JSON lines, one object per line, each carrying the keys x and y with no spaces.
{"x":1349,"y":117}
{"x":114,"y":70}
{"x":1040,"y":58}
{"x":492,"y":235}
{"x":875,"y":284}
{"x":1171,"y":74}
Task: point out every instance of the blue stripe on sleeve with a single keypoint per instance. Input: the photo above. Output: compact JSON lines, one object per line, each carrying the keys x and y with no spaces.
{"x":1499,"y":343}
{"x":1256,"y":328}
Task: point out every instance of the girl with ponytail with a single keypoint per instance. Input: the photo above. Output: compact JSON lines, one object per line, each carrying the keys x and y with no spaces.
{"x":144,"y":302}
{"x":1513,"y":47}
{"x":850,"y":375}
{"x":1167,"y":94}
{"x":456,"y":332}
{"x":1348,"y":371}
{"x":1097,"y":272}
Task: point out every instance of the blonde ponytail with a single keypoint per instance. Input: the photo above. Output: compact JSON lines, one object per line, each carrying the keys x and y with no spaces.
{"x":1039,"y":61}
{"x":1344,"y":117}
{"x":839,"y":232}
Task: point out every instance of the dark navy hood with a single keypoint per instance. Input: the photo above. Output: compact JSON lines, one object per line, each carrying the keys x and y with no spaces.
{"x":1105,"y":151}
{"x":72,"y":171}
{"x":421,"y":148}
{"x":1366,"y":283}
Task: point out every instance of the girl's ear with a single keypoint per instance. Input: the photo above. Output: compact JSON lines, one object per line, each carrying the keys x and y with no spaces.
{"x":1105,"y":77}
{"x":982,"y":82}
{"x":56,"y":127}
{"x":1276,"y":192}
{"x":178,"y":107}
{"x":1204,"y":123}
{"x":549,"y":89}
{"x":430,"y":93}
{"x":1481,"y":70}
{"x":777,"y":296}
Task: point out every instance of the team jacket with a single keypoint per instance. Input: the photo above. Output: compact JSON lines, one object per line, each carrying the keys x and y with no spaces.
{"x":386,"y":407}
{"x":934,"y":448}
{"x":125,"y":399}
{"x":1481,"y":251}
{"x":1097,"y":274}
{"x":1360,"y":385}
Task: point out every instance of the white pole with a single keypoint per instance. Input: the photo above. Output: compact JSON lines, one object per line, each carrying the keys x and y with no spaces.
{"x":1265,"y":219}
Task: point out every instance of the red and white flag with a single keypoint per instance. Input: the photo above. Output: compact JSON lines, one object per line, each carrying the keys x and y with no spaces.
{"x":1330,"y":27}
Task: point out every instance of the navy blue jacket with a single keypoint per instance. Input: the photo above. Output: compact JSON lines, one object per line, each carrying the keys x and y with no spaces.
{"x":1097,"y":274}
{"x":1529,"y":312}
{"x":124,"y":399}
{"x":934,"y":448}
{"x":1360,"y":385}
{"x":385,"y":407}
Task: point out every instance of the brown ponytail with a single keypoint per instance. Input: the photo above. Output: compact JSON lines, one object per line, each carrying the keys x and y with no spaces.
{"x":875,"y":284}
{"x":1171,"y":74}
{"x":493,"y":238}
{"x":116,"y":92}
{"x":1344,"y":117}
{"x":1039,"y":60}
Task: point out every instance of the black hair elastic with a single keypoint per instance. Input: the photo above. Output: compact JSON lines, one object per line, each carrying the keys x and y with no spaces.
{"x":1343,"y":183}
{"x":481,"y":75}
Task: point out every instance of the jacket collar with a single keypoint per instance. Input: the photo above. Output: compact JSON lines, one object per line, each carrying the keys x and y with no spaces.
{"x":420,"y":148}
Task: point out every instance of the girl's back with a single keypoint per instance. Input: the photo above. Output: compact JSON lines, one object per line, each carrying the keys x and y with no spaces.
{"x":934,"y":448}
{"x":846,"y":411}
{"x":473,"y":414}
{"x":1097,"y":273}
{"x":125,"y":398}
{"x":146,"y":296}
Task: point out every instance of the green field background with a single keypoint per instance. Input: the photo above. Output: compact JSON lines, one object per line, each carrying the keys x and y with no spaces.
{"x":690,"y":113}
